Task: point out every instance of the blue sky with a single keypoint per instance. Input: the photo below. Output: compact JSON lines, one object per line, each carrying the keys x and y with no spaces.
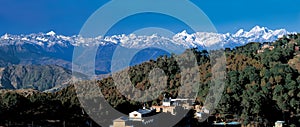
{"x":67,"y":16}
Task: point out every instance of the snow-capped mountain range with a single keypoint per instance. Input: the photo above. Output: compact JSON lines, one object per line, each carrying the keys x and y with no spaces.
{"x":18,"y":51}
{"x":181,"y":40}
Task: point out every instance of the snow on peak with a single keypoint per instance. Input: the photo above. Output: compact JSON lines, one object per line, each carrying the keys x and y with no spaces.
{"x":258,"y":29}
{"x":5,"y":36}
{"x":51,"y":33}
{"x":181,"y":40}
{"x":183,"y":33}
{"x":239,"y":33}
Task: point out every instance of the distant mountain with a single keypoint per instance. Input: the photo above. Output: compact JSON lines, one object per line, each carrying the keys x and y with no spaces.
{"x":51,"y":41}
{"x":43,"y":61}
{"x":52,"y":49}
{"x":36,"y":77}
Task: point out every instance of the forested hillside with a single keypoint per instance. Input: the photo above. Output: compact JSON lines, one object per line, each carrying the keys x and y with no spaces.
{"x":38,"y":77}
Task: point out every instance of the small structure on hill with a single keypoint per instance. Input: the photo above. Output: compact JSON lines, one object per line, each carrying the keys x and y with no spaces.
{"x":169,"y":105}
{"x":202,"y":113}
{"x":265,"y":46}
{"x":229,"y":124}
{"x":280,"y":124}
{"x":135,"y":116}
{"x":139,"y":114}
{"x":120,"y":122}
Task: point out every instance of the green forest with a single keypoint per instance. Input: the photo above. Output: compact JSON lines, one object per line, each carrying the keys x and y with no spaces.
{"x":261,"y":87}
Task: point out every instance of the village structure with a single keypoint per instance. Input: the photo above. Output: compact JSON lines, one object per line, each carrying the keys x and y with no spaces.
{"x":265,"y":46}
{"x":268,"y":45}
{"x":168,"y":106}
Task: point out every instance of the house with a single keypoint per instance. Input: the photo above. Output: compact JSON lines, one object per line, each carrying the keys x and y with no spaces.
{"x":120,"y":122}
{"x":229,"y":124}
{"x":146,"y":112}
{"x":202,"y":113}
{"x":165,"y":109}
{"x":135,"y":116}
{"x":139,"y":114}
{"x":265,"y":46}
{"x":168,"y":105}
{"x":167,"y":102}
{"x":279,"y":124}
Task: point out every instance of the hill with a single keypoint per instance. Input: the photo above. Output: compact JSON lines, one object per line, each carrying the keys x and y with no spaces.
{"x":38,"y":77}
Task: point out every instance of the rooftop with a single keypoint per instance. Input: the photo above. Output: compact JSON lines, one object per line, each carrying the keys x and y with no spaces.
{"x":121,"y":119}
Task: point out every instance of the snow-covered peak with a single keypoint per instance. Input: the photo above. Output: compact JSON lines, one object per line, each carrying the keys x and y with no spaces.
{"x":51,"y":33}
{"x":239,"y":33}
{"x":281,"y":32}
{"x":183,"y":33}
{"x":258,"y":29}
{"x":181,"y":40}
{"x":5,"y":36}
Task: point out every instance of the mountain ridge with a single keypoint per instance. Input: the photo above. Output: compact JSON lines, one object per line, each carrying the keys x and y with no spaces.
{"x":53,"y":49}
{"x":38,"y":77}
{"x":50,"y":49}
{"x":182,"y":39}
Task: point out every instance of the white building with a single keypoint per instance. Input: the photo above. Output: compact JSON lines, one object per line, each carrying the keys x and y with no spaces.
{"x":167,"y":102}
{"x":279,"y":124}
{"x":135,"y":116}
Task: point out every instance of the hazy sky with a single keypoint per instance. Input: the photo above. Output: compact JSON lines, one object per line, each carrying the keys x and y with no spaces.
{"x":67,"y":16}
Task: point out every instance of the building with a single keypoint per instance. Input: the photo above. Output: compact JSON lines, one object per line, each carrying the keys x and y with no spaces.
{"x":167,"y":102}
{"x":265,"y":46}
{"x":120,"y":122}
{"x":279,"y":124}
{"x":169,"y":105}
{"x":165,"y":109}
{"x":202,"y":113}
{"x":146,"y":112}
{"x":229,"y":124}
{"x":135,"y":116}
{"x":138,"y":115}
